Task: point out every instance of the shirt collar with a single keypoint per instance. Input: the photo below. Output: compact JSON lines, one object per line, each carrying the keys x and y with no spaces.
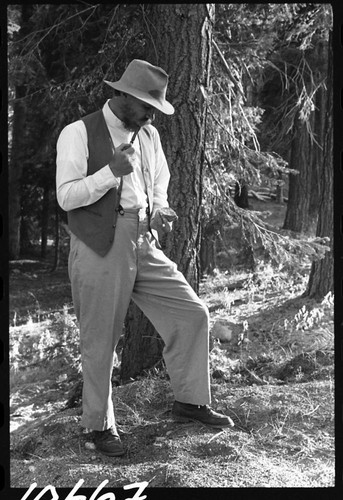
{"x":112,"y":120}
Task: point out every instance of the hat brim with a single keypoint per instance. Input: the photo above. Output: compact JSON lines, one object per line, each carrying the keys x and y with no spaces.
{"x":163,"y":106}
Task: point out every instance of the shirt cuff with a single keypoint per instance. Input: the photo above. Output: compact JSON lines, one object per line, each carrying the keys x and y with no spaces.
{"x":105,"y":178}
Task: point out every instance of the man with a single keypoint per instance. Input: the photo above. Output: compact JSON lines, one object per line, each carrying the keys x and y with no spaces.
{"x":112,"y":179}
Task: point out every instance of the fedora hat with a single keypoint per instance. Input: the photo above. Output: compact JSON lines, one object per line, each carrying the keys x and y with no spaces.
{"x":145,"y":82}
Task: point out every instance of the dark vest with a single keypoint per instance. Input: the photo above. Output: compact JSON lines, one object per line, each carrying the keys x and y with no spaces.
{"x":95,"y":224}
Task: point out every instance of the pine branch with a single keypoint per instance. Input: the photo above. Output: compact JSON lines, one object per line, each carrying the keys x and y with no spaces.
{"x":253,"y":135}
{"x":274,"y":162}
{"x":283,"y":246}
{"x":236,"y":83}
{"x":48,"y":30}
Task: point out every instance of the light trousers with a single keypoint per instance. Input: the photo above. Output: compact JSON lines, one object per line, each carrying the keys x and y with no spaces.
{"x":102,"y":288}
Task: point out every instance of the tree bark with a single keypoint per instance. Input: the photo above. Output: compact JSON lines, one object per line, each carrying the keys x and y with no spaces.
{"x":279,"y":191}
{"x":181,"y":44}
{"x":307,"y":155}
{"x":142,"y":347}
{"x":208,"y":247}
{"x":57,"y":239}
{"x":241,"y":194}
{"x":317,"y":155}
{"x":321,"y":276}
{"x":17,"y":154}
{"x":322,"y":55}
{"x":15,"y":173}
{"x":45,"y":221}
{"x":297,"y":214}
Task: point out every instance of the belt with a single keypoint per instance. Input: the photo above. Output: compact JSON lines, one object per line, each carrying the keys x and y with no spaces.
{"x":142,"y":213}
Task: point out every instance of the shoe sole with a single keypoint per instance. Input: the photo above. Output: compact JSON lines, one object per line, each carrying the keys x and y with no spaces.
{"x":109,"y":454}
{"x":181,"y":419}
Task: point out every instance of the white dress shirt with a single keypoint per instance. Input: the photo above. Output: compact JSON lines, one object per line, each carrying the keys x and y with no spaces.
{"x":76,"y":189}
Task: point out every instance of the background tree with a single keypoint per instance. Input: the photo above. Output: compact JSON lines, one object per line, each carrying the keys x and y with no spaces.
{"x":306,"y":138}
{"x":293,"y":95}
{"x":20,"y":21}
{"x":321,"y":275}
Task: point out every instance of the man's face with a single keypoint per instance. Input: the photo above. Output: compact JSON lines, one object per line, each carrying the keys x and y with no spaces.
{"x":136,"y":113}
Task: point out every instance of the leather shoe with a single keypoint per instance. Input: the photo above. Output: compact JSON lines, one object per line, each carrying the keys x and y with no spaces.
{"x":108,"y":442}
{"x":184,"y":412}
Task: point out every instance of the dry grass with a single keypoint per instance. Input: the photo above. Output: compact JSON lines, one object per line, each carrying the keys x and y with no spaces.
{"x":274,"y":379}
{"x":283,"y":437}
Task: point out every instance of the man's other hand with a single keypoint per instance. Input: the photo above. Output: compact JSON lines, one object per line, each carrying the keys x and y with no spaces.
{"x":162,"y":220}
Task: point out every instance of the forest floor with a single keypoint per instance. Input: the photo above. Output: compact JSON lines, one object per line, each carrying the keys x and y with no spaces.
{"x":273,"y":375}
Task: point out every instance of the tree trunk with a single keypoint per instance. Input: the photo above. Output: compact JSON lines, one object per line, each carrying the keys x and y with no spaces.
{"x":297,"y":214}
{"x":142,"y":347}
{"x":322,"y":56}
{"x":183,"y":41}
{"x":15,"y":173}
{"x":317,"y":155}
{"x":17,"y":154}
{"x":208,"y":247}
{"x":307,"y":155}
{"x":321,"y":276}
{"x":241,"y":194}
{"x":279,"y":191}
{"x":26,"y":245}
{"x":57,"y":239}
{"x":181,"y":44}
{"x":45,"y":221}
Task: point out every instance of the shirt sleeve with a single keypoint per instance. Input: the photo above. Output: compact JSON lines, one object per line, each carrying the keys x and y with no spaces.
{"x":162,"y":175}
{"x":73,"y":187}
